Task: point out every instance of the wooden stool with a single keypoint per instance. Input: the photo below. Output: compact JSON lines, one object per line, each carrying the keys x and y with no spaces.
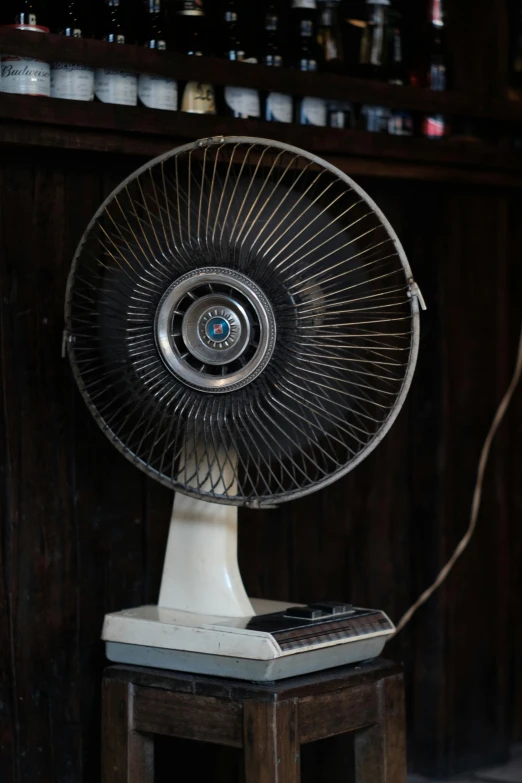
{"x":270,"y":721}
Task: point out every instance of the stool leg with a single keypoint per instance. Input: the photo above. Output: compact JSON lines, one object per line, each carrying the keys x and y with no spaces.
{"x":380,"y":751}
{"x":271,"y":742}
{"x":127,"y":755}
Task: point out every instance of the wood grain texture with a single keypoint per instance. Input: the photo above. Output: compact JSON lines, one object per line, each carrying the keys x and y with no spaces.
{"x":188,"y":716}
{"x":50,"y":122}
{"x":127,"y":755}
{"x":380,"y":751}
{"x":271,"y":729}
{"x":337,"y":712}
{"x":223,"y":688}
{"x":82,"y":533}
{"x":271,"y":742}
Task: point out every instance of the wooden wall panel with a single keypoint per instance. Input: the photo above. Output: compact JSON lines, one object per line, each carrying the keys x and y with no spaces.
{"x":83,"y":532}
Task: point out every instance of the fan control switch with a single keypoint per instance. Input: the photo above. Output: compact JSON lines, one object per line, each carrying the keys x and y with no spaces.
{"x":320,"y":610}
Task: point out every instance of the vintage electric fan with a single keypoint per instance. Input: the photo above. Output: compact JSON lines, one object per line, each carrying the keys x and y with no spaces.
{"x":243,"y":324}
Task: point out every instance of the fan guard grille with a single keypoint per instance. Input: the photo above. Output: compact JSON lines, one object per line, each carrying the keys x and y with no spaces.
{"x":319,"y":288}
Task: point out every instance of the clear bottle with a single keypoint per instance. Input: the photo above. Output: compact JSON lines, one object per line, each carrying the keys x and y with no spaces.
{"x":303,"y":22}
{"x":29,"y":12}
{"x":373,"y":57}
{"x":400,"y":122}
{"x":72,"y":81}
{"x":373,"y":61}
{"x":112,"y":85}
{"x":339,"y":113}
{"x":242,"y":102}
{"x":329,"y":37}
{"x":191,"y":38}
{"x":156,"y":92}
{"x":278,"y":107}
{"x":436,"y":125}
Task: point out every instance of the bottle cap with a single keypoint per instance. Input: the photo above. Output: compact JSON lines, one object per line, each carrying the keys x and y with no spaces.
{"x":304,"y":4}
{"x":36,"y":28}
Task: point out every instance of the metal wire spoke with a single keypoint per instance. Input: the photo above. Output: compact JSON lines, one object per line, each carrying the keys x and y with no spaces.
{"x":241,"y":322}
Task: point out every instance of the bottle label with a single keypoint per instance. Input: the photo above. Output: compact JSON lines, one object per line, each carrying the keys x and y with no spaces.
{"x":191,"y":8}
{"x":198,"y":98}
{"x":72,"y":82}
{"x":278,"y":107}
{"x":437,"y":77}
{"x":273,"y":60}
{"x":113,"y":86}
{"x":307,"y":65}
{"x":340,"y":114}
{"x":376,"y":118}
{"x":400,"y":123}
{"x":155,"y":92}
{"x":25,"y":76}
{"x":312,"y":112}
{"x":304,"y":3}
{"x":243,"y":101}
{"x":434,"y":127}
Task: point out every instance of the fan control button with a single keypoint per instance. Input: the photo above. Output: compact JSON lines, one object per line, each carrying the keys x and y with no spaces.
{"x":304,"y":613}
{"x":334,"y":607}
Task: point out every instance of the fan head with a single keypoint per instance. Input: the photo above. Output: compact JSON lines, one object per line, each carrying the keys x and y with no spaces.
{"x":240,"y":321}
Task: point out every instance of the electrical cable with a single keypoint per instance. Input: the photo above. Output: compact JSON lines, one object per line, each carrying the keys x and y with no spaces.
{"x":477,"y":494}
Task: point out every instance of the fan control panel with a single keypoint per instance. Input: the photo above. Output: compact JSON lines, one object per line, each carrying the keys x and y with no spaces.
{"x":319,"y":624}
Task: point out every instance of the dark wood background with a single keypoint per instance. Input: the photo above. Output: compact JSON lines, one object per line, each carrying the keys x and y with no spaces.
{"x":83,"y":532}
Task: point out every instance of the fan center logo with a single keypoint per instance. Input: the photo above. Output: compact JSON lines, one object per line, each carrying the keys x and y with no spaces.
{"x":218,"y":329}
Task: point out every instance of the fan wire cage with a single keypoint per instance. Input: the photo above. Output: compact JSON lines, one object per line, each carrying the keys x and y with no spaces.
{"x":240,"y":321}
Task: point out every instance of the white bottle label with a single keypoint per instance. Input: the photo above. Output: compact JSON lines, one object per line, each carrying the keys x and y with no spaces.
{"x":25,"y":76}
{"x":243,"y":101}
{"x":376,"y":118}
{"x":198,"y":98}
{"x":278,"y":107}
{"x":72,"y":82}
{"x":155,"y":92}
{"x":313,"y":111}
{"x":112,"y":86}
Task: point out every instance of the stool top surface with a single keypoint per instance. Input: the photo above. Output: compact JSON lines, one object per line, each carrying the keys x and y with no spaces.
{"x":225,"y":688}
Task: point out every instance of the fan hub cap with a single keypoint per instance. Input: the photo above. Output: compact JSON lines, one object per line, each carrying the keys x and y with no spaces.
{"x":215,"y":329}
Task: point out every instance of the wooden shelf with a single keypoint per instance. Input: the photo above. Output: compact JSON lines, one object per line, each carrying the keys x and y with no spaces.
{"x":46,"y":122}
{"x":220,"y":71}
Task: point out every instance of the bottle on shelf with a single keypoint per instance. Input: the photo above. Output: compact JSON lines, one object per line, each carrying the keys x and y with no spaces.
{"x":303,"y":31}
{"x":400,"y":122}
{"x":156,"y":92}
{"x":436,"y":125}
{"x":113,"y":85}
{"x":329,"y":39}
{"x":29,"y":12}
{"x":373,"y":61}
{"x":331,"y":53}
{"x":190,"y":29}
{"x":277,"y":107}
{"x":72,"y":81}
{"x":243,"y":102}
{"x":25,"y":75}
{"x":353,"y":19}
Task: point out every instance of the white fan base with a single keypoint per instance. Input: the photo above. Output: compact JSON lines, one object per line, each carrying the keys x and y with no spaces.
{"x":217,"y":645}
